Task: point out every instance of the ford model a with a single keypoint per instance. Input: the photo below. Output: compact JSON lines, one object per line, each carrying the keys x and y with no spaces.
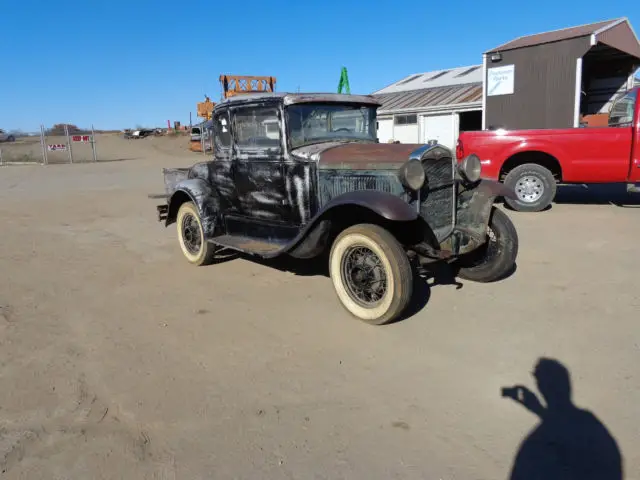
{"x":303,"y":174}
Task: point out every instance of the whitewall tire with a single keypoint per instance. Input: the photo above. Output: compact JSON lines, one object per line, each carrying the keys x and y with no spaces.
{"x":371,"y":273}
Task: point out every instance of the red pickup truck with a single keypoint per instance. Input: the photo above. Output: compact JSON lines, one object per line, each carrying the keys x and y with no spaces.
{"x":534,"y":162}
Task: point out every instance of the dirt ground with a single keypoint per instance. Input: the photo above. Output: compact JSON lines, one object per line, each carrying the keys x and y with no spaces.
{"x":120,"y":360}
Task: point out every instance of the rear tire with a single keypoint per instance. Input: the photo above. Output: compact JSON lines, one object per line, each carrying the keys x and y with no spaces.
{"x":371,"y":273}
{"x":11,"y":138}
{"x":191,"y":237}
{"x":534,"y":185}
{"x":497,"y":258}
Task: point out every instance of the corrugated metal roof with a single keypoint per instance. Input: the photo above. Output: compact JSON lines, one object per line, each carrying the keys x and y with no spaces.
{"x":437,"y":78}
{"x":557,"y":35}
{"x":427,"y":98}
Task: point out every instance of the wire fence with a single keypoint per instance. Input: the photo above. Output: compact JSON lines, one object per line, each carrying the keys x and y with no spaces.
{"x":55,"y":145}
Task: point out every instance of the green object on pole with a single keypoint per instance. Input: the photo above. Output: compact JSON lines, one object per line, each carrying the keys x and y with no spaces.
{"x":344,"y":82}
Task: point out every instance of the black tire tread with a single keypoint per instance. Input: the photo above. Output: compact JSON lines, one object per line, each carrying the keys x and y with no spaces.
{"x":549,"y":192}
{"x":508,"y":241}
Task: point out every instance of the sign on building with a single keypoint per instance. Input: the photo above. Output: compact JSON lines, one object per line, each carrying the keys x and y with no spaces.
{"x":500,"y":80}
{"x":56,"y":146}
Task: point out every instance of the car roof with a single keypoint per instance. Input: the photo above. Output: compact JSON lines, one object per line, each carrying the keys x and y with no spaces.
{"x":293,"y":98}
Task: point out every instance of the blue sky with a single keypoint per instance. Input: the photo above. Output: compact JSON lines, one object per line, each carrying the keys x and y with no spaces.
{"x":118,"y":64}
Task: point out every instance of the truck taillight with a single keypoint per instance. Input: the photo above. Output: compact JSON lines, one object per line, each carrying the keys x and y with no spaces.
{"x":459,"y":150}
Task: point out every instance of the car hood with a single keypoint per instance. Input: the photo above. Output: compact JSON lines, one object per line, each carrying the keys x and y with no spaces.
{"x":360,"y":156}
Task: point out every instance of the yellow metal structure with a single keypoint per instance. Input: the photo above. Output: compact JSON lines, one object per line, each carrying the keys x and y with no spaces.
{"x":237,"y":84}
{"x":205,"y":109}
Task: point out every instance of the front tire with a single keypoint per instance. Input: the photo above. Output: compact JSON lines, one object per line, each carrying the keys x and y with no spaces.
{"x":191,"y":237}
{"x":534,"y":186}
{"x":497,"y":257}
{"x":371,"y":273}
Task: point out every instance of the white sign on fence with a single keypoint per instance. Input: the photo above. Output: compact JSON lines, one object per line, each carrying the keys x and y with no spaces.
{"x":56,"y":146}
{"x":500,"y":80}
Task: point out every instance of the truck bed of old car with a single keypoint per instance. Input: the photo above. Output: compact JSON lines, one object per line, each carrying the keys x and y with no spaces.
{"x":172,"y":176}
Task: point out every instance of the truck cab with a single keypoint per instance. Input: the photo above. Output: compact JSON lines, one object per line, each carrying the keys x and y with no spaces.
{"x":534,"y":162}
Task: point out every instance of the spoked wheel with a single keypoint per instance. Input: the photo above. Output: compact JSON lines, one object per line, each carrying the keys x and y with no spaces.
{"x":371,"y":273}
{"x":364,"y":276}
{"x":493,"y":260}
{"x":191,"y":236}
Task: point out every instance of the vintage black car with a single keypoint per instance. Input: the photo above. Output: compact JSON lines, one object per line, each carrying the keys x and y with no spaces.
{"x":303,"y":174}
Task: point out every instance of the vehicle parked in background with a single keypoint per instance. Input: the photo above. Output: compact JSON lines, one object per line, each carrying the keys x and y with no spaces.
{"x":534,"y":162}
{"x":6,"y":137}
{"x":301,"y":175}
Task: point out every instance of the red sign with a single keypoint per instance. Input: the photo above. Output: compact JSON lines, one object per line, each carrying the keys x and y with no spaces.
{"x":81,"y":138}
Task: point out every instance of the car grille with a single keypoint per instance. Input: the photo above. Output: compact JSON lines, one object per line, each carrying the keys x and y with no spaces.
{"x":437,"y":197}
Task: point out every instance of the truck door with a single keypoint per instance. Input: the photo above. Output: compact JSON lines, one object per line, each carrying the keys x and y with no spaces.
{"x":258,"y":163}
{"x":628,"y":115}
{"x":624,"y":115}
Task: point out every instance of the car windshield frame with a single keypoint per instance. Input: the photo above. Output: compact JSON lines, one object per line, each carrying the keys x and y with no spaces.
{"x":309,"y":111}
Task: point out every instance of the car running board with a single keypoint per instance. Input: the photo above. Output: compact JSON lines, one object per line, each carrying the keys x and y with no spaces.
{"x":633,"y":187}
{"x":252,"y":246}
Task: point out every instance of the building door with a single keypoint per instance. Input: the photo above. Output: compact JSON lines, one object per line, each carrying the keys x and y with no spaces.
{"x":442,"y":128}
{"x":385,"y":129}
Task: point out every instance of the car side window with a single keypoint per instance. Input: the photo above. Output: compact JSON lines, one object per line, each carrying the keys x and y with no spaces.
{"x":621,"y":114}
{"x":257,"y":128}
{"x":221,"y":132}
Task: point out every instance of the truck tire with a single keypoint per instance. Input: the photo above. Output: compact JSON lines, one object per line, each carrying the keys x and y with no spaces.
{"x":371,"y":273}
{"x":494,"y":260}
{"x":191,"y":236}
{"x":534,"y":185}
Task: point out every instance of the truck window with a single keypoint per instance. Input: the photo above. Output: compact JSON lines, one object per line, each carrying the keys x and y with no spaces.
{"x":253,"y":128}
{"x":222,"y":136}
{"x":621,"y":114}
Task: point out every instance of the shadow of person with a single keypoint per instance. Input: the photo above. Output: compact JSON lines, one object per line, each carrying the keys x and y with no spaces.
{"x":569,"y":443}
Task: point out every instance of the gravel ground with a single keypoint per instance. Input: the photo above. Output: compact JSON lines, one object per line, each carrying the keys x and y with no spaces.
{"x":120,"y":360}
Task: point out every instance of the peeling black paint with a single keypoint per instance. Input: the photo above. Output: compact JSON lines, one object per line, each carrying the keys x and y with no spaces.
{"x":269,"y":200}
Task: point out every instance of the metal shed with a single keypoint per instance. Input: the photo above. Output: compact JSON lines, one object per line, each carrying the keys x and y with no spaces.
{"x":553,"y":79}
{"x":431,"y":106}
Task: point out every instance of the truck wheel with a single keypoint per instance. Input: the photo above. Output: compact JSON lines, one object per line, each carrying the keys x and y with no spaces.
{"x":371,"y":273}
{"x":497,"y":257}
{"x":534,"y":185}
{"x":191,"y":236}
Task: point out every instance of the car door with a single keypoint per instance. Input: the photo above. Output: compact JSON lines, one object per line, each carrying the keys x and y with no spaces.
{"x":221,"y":168}
{"x":257,"y":159}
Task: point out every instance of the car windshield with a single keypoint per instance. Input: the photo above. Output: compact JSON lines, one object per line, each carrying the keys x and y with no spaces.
{"x":315,"y":122}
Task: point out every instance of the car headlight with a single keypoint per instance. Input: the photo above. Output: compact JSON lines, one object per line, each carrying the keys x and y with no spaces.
{"x":470,"y":168}
{"x":412,"y":175}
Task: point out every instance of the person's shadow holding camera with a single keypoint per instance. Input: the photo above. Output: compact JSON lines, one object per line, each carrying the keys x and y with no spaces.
{"x":569,"y":443}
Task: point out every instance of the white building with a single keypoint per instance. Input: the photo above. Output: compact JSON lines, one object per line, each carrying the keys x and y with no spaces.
{"x":431,"y":106}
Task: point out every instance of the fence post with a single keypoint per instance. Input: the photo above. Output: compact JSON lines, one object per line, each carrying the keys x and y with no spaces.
{"x":93,"y":144}
{"x":202,"y":143}
{"x":0,"y":156}
{"x":43,"y":144}
{"x":66,"y":132}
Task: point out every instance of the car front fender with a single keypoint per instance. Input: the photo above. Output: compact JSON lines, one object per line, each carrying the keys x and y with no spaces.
{"x":388,"y":206}
{"x":312,"y":239}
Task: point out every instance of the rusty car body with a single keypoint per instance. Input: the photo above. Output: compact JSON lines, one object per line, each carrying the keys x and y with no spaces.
{"x":303,"y":175}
